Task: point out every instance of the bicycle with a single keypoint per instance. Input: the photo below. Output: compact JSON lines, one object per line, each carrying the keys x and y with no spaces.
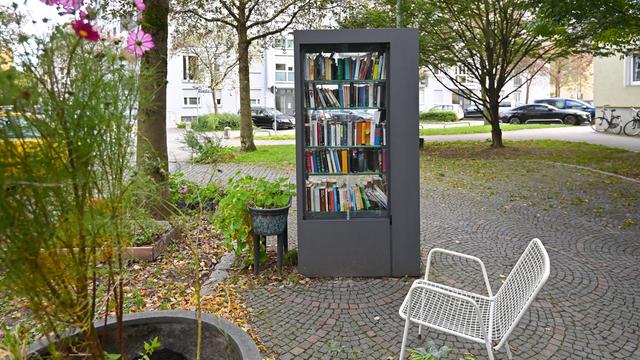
{"x":607,"y":122}
{"x":632,"y":128}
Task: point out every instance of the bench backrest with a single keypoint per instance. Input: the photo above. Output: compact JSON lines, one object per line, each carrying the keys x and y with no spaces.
{"x":521,"y":287}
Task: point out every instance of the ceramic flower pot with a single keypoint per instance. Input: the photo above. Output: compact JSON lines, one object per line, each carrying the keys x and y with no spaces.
{"x":269,"y":221}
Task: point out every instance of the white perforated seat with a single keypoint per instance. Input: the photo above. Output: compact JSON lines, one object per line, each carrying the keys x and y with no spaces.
{"x":484,"y":319}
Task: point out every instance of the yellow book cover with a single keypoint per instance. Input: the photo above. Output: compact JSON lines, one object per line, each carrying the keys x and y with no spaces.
{"x":327,"y":68}
{"x":375,"y":70}
{"x":343,"y":158}
{"x":312,"y":69}
{"x":367,"y":132}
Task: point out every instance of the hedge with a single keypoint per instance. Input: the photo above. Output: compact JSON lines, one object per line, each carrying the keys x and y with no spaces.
{"x":438,"y":116}
{"x":216,"y":122}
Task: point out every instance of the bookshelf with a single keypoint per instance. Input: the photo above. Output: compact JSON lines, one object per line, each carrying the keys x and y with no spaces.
{"x":357,"y":152}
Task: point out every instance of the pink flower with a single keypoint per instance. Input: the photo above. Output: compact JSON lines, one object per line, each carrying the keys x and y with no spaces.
{"x":139,"y":42}
{"x":183,"y":190}
{"x":84,"y":30}
{"x":70,"y":6}
{"x":140,"y":4}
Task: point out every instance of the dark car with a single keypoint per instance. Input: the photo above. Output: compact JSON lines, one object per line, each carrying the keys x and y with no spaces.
{"x":544,"y":113}
{"x":474,"y":112}
{"x":564,"y":103}
{"x":263,"y":118}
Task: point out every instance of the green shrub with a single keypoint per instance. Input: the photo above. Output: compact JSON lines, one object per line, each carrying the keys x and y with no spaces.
{"x":216,"y":122}
{"x":438,"y":116}
{"x":182,"y":125}
{"x":207,"y":149}
{"x":189,"y":195}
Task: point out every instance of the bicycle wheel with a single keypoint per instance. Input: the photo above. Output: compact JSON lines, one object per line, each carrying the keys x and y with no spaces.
{"x":615,"y":126}
{"x":599,"y":124}
{"x":632,"y":128}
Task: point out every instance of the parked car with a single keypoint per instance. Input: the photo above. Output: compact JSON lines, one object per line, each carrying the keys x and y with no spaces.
{"x":564,"y":103}
{"x":544,"y":113}
{"x":452,"y":107}
{"x":263,"y":117}
{"x":474,"y":112}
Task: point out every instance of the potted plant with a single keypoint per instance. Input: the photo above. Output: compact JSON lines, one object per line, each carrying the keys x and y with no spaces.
{"x":270,"y":205}
{"x":252,"y":205}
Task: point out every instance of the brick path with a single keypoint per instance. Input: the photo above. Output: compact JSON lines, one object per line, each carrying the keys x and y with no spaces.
{"x":588,"y":309}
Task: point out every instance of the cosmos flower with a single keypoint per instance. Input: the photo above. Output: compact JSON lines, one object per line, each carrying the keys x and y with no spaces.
{"x":140,"y":4}
{"x":84,"y":30}
{"x":183,"y":190}
{"x":139,"y":42}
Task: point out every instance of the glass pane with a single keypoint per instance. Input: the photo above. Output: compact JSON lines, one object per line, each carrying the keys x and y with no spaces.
{"x":346,"y":156}
{"x":290,"y":76}
{"x":289,"y":44}
{"x":281,"y":76}
{"x":281,"y":67}
{"x":636,"y":67}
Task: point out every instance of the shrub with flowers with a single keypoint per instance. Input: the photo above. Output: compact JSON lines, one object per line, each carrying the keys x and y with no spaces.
{"x":65,"y":216}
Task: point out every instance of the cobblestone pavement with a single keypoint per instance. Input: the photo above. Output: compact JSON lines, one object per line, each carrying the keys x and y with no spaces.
{"x":587,"y":310}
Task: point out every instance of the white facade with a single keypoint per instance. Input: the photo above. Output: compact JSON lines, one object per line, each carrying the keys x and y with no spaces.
{"x":272,"y":85}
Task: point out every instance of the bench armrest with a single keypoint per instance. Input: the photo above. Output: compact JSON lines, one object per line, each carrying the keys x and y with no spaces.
{"x":461,"y":255}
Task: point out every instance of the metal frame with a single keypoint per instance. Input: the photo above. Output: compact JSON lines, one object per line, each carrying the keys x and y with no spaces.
{"x":372,"y":246}
{"x":431,"y":296}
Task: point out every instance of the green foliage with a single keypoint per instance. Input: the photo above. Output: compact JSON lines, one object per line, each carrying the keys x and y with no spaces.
{"x":232,"y":218}
{"x":430,"y":352}
{"x":149,"y":349}
{"x":438,"y":116}
{"x":187,"y":194}
{"x":181,"y":125}
{"x":216,"y":122}
{"x":67,"y":197}
{"x":207,"y":149}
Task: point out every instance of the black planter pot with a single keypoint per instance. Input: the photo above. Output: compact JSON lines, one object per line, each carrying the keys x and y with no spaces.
{"x":269,"y":221}
{"x":177,"y":334}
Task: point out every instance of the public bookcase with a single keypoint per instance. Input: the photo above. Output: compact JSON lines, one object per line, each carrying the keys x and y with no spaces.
{"x":357,"y":152}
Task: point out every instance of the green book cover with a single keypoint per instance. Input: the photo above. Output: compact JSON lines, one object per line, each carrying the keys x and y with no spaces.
{"x":340,"y":69}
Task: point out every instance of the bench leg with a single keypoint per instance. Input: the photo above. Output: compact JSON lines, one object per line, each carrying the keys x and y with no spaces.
{"x":256,"y":254}
{"x":420,"y":332}
{"x":280,"y":248}
{"x":404,"y":337}
{"x":286,"y":238}
{"x":506,"y":344}
{"x":489,"y":350}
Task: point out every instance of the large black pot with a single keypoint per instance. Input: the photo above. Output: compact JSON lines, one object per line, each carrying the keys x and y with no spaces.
{"x":177,"y":334}
{"x":269,"y":221}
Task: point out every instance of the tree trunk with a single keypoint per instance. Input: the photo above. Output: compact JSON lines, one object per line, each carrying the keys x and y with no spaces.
{"x":246,"y":125}
{"x":151,"y":155}
{"x":527,"y":90}
{"x":557,"y":82}
{"x":213,"y":95}
{"x":494,"y":120}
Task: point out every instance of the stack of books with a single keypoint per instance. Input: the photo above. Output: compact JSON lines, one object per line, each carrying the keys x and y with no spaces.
{"x":371,"y":66}
{"x":338,"y":131}
{"x":344,"y":96}
{"x":345,"y":161}
{"x":329,"y":196}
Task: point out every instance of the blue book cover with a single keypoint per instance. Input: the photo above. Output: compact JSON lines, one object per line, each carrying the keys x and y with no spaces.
{"x":361,"y":96}
{"x":336,"y":161}
{"x":340,"y":96}
{"x":336,"y":198}
{"x":315,"y":162}
{"x":347,"y":68}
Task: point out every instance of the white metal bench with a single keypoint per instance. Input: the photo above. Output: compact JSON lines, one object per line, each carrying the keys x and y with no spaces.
{"x":484,"y":319}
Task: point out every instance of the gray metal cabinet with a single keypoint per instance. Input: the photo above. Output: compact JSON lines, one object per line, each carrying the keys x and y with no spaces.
{"x":356,"y":102}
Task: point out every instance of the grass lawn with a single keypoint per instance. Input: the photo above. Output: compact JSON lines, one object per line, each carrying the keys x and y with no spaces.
{"x":479,"y":129}
{"x":280,"y":156}
{"x":453,"y":130}
{"x":599,"y":157}
{"x":275,"y":137}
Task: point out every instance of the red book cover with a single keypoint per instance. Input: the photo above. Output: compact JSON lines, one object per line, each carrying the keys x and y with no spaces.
{"x":308,"y":160}
{"x":308,"y":198}
{"x":331,"y":201}
{"x":323,"y":199}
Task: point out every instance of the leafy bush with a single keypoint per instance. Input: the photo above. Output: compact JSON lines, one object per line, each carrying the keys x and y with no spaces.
{"x":187,"y":194}
{"x":233,"y":220}
{"x":181,"y":125}
{"x":438,"y":116}
{"x":207,"y":149}
{"x":216,"y":122}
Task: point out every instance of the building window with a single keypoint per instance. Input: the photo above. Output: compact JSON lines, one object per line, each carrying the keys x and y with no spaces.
{"x":635,"y":68}
{"x":284,"y":72}
{"x":255,"y":101}
{"x":282,"y":43}
{"x":517,"y":81}
{"x":191,"y":101}
{"x":189,"y":67}
{"x":289,"y":44}
{"x":188,"y":118}
{"x":218,"y":101}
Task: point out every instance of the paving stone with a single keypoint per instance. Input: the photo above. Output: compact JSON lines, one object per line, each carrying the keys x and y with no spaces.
{"x":587,"y":310}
